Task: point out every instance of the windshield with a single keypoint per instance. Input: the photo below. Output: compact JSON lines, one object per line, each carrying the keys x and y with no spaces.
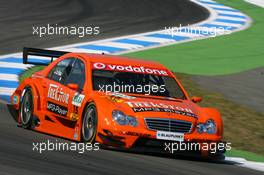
{"x":136,"y":83}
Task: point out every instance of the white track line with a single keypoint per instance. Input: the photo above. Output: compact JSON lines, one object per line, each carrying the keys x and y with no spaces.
{"x":259,"y":3}
{"x":245,"y":163}
{"x":37,"y":57}
{"x":71,"y":49}
{"x":119,"y":45}
{"x":221,"y":7}
{"x":232,"y":18}
{"x":7,"y":91}
{"x":9,"y":77}
{"x":225,"y":24}
{"x":178,"y":32}
{"x":14,"y":65}
{"x":207,"y":1}
{"x":153,"y":39}
{"x":231,"y":13}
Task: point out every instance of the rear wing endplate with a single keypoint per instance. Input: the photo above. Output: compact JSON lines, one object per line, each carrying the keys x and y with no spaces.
{"x":40,"y":52}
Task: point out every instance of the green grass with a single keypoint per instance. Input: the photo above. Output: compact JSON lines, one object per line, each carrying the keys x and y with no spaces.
{"x":246,"y":155}
{"x":29,"y":72}
{"x":214,"y":56}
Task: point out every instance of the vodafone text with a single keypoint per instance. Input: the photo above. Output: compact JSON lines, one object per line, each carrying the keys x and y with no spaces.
{"x":129,"y":68}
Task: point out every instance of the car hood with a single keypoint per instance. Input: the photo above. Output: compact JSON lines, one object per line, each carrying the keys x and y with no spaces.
{"x":150,"y":106}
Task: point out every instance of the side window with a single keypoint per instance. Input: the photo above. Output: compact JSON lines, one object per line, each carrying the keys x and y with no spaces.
{"x":62,"y":70}
{"x":77,"y":75}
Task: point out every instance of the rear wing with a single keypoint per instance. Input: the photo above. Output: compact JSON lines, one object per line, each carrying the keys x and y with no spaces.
{"x":42,"y":53}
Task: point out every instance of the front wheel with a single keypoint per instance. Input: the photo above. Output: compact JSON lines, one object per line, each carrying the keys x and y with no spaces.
{"x":26,"y":109}
{"x":89,"y":124}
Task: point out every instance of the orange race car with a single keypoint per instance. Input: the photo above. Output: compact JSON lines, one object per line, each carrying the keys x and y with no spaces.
{"x":115,"y":101}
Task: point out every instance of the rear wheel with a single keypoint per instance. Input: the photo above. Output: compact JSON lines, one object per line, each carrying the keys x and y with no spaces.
{"x":26,"y":109}
{"x":89,"y":124}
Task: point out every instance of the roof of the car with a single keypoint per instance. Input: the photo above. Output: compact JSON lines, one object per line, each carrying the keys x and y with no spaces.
{"x":112,"y":59}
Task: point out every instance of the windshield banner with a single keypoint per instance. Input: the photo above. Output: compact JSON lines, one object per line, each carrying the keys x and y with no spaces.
{"x":130,"y":68}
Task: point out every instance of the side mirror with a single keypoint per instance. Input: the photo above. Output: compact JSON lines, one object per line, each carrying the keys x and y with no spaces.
{"x":72,"y":86}
{"x":196,"y":99}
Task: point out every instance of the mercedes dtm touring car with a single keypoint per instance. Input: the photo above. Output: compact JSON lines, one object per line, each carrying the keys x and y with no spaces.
{"x":115,"y":101}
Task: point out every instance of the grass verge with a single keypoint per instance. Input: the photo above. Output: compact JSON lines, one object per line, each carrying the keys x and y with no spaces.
{"x":246,"y":155}
{"x":214,"y":56}
{"x":29,"y":72}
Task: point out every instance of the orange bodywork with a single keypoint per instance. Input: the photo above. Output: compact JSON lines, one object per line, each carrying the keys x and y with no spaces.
{"x":69,"y":125}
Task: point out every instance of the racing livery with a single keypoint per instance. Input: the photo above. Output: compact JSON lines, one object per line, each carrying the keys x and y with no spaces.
{"x":116,"y":101}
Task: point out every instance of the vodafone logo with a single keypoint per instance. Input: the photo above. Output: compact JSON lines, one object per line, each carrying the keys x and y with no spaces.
{"x":99,"y":65}
{"x":129,"y":68}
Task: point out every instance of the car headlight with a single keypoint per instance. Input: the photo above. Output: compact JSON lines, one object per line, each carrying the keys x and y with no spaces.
{"x":207,"y":127}
{"x":123,"y":119}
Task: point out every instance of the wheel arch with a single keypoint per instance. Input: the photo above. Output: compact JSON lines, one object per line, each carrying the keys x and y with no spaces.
{"x":20,"y":91}
{"x":36,"y":94}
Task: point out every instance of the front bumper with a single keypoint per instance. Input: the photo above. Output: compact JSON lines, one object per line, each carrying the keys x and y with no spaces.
{"x":136,"y":138}
{"x":181,"y":148}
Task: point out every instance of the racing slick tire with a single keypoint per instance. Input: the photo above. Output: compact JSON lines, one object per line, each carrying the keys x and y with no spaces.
{"x":26,"y":109}
{"x":89,"y":124}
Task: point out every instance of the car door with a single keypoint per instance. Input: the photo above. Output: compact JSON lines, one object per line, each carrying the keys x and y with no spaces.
{"x":58,"y":101}
{"x":75,"y":82}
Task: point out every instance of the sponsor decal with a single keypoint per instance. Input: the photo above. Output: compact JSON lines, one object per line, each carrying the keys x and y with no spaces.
{"x":75,"y":135}
{"x":74,"y":117}
{"x":152,"y":109}
{"x":174,"y":136}
{"x":130,"y":68}
{"x":77,"y":99}
{"x":115,"y":99}
{"x":157,"y":105}
{"x":60,"y":110}
{"x":57,"y":94}
{"x":58,"y":73}
{"x":15,"y":99}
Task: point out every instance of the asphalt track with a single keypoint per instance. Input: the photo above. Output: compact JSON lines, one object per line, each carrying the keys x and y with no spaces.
{"x":245,"y":88}
{"x":114,"y":17}
{"x":16,"y":155}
